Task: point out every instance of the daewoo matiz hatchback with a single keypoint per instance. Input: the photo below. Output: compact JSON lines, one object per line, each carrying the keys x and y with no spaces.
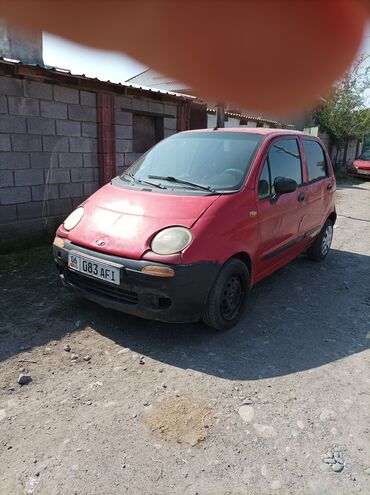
{"x":192,"y":225}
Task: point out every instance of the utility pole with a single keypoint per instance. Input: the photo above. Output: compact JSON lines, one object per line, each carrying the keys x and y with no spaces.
{"x":220,"y":115}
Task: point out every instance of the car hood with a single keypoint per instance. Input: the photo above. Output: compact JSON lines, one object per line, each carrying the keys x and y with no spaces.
{"x":362,"y":164}
{"x":125,"y":220}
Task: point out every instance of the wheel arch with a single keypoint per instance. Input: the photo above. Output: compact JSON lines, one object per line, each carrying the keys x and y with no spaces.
{"x":333,"y":217}
{"x":245,"y":258}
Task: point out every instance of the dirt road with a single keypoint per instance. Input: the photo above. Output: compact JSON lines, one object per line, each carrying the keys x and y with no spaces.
{"x":120,"y":405}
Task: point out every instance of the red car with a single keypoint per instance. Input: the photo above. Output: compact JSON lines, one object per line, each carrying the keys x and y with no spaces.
{"x":361,"y":166}
{"x":195,"y":222}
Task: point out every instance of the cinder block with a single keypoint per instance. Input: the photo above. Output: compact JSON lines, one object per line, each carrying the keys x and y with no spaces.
{"x":25,"y":142}
{"x":29,"y":177}
{"x":155,"y":107}
{"x":53,"y":109}
{"x":123,"y":102}
{"x":91,"y":160}
{"x":170,"y":109}
{"x":3,"y":104}
{"x":59,"y":206}
{"x":44,"y":192}
{"x":5,"y":144}
{"x":89,"y":129}
{"x":55,"y":143}
{"x":82,"y":144}
{"x":169,"y":132}
{"x":130,"y":158}
{"x":170,"y":123}
{"x":123,"y":118}
{"x":82,"y":174}
{"x":14,"y":160}
{"x":73,"y":190}
{"x":11,"y":123}
{"x":57,"y":176}
{"x":123,"y":145}
{"x":41,"y":125}
{"x":84,"y":114}
{"x":88,"y":98}
{"x":6,"y":178}
{"x":70,"y":160}
{"x":66,"y":95}
{"x":96,"y":174}
{"x":36,"y":89}
{"x":120,"y":159}
{"x":90,"y":188}
{"x":14,"y":195}
{"x":76,"y":202}
{"x":44,"y":159}
{"x":35,"y":209}
{"x":67,"y":128}
{"x":124,"y":131}
{"x":8,"y":214}
{"x":142,"y":105}
{"x":23,"y":106}
{"x":11,"y":86}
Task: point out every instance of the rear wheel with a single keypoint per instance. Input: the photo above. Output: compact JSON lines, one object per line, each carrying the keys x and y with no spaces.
{"x":228,"y":296}
{"x":321,"y":246}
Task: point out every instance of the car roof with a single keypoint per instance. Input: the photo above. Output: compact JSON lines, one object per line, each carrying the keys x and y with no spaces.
{"x":254,"y":130}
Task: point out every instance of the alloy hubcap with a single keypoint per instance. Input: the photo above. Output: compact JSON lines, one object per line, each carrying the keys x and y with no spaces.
{"x":326,"y":240}
{"x":232,"y":297}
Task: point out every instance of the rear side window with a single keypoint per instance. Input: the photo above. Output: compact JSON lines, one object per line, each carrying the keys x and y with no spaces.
{"x":285,"y":160}
{"x":316,"y":161}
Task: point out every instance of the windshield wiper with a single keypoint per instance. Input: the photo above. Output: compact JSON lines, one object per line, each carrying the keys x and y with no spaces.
{"x":140,"y":181}
{"x":169,"y":178}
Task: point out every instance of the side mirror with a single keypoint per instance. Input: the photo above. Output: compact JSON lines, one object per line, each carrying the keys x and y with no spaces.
{"x":284,"y":185}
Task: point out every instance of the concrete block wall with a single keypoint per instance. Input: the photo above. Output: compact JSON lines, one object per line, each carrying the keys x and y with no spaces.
{"x":49,"y":149}
{"x":48,"y":153}
{"x":125,"y":107}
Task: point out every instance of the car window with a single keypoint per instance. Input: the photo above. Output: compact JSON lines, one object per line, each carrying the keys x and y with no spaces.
{"x":316,"y":161}
{"x":264,"y":183}
{"x":285,"y":160}
{"x":365,"y":155}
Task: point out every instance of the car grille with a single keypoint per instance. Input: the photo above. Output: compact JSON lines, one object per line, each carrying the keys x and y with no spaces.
{"x":100,"y":288}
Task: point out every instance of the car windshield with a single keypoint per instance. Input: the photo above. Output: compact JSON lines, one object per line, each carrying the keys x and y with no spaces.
{"x":365,"y":155}
{"x":204,"y":161}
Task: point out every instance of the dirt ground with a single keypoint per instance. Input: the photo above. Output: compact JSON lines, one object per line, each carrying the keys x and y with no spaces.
{"x":118,"y":405}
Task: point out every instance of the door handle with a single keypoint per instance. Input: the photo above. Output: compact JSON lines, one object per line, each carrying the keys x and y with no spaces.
{"x":329,"y":187}
{"x":301,"y":197}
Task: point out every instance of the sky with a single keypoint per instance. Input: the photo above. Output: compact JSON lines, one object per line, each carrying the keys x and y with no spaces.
{"x":80,"y":59}
{"x":117,"y":67}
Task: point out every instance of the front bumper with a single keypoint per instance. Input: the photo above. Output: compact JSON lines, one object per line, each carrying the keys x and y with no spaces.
{"x":176,"y":299}
{"x":358,"y":172}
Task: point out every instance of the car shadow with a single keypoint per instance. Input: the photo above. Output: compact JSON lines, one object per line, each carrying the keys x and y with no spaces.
{"x":303,"y":316}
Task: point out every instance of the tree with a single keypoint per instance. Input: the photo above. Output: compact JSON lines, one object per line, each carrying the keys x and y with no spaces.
{"x":344,"y":115}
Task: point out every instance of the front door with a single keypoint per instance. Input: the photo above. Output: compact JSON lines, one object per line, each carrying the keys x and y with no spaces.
{"x":280,"y":217}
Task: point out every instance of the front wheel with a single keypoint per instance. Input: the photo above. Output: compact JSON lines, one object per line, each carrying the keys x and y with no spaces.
{"x":228,"y":296}
{"x":321,"y":246}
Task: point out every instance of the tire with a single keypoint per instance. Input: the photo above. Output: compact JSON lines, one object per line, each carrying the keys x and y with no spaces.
{"x":228,"y":296}
{"x":321,"y":246}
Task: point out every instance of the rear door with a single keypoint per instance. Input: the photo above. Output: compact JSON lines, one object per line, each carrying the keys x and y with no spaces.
{"x":320,"y":187}
{"x":280,"y":217}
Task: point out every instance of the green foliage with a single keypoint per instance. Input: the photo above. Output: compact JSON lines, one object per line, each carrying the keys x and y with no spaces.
{"x":344,"y":115}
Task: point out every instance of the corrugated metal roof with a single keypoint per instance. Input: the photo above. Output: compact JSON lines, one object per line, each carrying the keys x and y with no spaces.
{"x":155,"y":80}
{"x":58,"y":71}
{"x":243,"y":116}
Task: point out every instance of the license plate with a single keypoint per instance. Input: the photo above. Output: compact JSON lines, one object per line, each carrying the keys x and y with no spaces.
{"x":363,"y":172}
{"x":94,"y":268}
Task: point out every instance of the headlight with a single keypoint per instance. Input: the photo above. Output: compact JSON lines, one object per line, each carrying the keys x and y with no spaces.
{"x":72,"y":220}
{"x":171,"y":240}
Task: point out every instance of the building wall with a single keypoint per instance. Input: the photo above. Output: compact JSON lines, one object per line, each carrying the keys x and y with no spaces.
{"x":49,"y":149}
